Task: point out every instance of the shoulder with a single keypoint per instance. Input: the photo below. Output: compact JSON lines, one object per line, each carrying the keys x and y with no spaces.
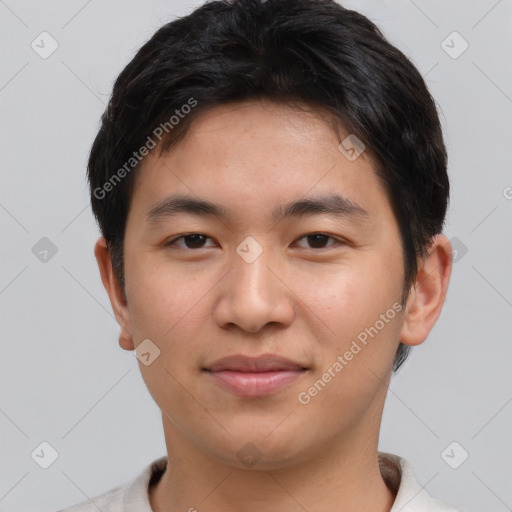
{"x":410,"y":496}
{"x":110,"y":501}
{"x":128,"y":497}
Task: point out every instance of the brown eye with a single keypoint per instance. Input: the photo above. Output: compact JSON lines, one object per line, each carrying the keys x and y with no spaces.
{"x":317,"y":240}
{"x":192,"y":241}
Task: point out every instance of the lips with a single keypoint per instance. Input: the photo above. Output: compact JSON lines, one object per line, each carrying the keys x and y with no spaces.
{"x":254,"y":376}
{"x":264,"y":363}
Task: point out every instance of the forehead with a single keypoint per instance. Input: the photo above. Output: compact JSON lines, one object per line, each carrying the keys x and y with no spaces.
{"x":257,"y":153}
{"x":263,"y":118}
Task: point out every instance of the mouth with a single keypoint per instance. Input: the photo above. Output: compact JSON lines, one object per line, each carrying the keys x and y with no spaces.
{"x":254,"y":376}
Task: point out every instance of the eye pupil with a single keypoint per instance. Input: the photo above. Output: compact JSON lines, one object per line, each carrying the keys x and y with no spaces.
{"x":197,"y":240}
{"x":317,"y":240}
{"x":194,"y":241}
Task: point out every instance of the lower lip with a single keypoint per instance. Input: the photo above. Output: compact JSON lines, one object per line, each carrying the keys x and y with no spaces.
{"x":255,"y":383}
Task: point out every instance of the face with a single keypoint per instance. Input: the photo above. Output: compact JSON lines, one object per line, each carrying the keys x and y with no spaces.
{"x":303,"y":299}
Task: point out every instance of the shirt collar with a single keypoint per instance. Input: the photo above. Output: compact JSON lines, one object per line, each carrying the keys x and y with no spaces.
{"x":396,"y":472}
{"x":410,"y":496}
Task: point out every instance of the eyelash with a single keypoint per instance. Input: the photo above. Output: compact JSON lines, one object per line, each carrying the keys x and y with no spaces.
{"x":337,"y":241}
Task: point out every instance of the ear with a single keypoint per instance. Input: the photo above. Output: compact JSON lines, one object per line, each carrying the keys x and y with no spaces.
{"x":428,"y":293}
{"x":115,"y":293}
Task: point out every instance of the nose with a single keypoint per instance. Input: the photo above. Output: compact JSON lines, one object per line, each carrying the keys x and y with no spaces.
{"x":254,"y":295}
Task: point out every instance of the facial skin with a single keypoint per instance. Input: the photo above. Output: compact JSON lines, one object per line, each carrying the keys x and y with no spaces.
{"x":299,"y":299}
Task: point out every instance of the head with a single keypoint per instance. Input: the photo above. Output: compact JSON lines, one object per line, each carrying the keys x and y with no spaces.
{"x":251,"y":105}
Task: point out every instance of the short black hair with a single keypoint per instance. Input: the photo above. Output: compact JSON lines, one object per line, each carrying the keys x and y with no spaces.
{"x":310,"y":52}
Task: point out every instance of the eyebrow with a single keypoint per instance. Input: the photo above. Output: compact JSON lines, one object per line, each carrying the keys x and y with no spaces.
{"x":332,"y":204}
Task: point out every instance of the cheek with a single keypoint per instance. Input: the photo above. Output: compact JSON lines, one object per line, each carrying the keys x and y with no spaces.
{"x":354,"y":361}
{"x":362,"y":309}
{"x":166,"y":308}
{"x":352,"y":296}
{"x":161,"y":300}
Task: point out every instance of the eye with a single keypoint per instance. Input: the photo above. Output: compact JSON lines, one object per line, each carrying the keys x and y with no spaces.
{"x":191,"y":241}
{"x":198,"y":241}
{"x":319,"y":240}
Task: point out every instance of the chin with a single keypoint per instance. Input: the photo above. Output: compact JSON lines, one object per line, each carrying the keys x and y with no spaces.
{"x":261,"y":448}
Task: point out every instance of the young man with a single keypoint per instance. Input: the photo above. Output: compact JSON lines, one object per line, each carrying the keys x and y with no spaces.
{"x":270,"y":183}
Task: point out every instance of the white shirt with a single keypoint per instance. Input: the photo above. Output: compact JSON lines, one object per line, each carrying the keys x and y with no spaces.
{"x":396,"y":472}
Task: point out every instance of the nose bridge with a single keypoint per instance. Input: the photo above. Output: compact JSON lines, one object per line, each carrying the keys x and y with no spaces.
{"x":252,"y":277}
{"x":254,"y":296}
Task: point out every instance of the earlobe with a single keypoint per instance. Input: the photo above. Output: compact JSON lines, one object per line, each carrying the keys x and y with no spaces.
{"x":428,"y":294}
{"x":126,"y":340}
{"x":115,"y":293}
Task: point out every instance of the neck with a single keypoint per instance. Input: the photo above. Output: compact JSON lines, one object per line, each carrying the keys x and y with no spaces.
{"x":344,"y":476}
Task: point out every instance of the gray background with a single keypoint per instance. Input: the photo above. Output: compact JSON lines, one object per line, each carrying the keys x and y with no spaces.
{"x":65,"y":380}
